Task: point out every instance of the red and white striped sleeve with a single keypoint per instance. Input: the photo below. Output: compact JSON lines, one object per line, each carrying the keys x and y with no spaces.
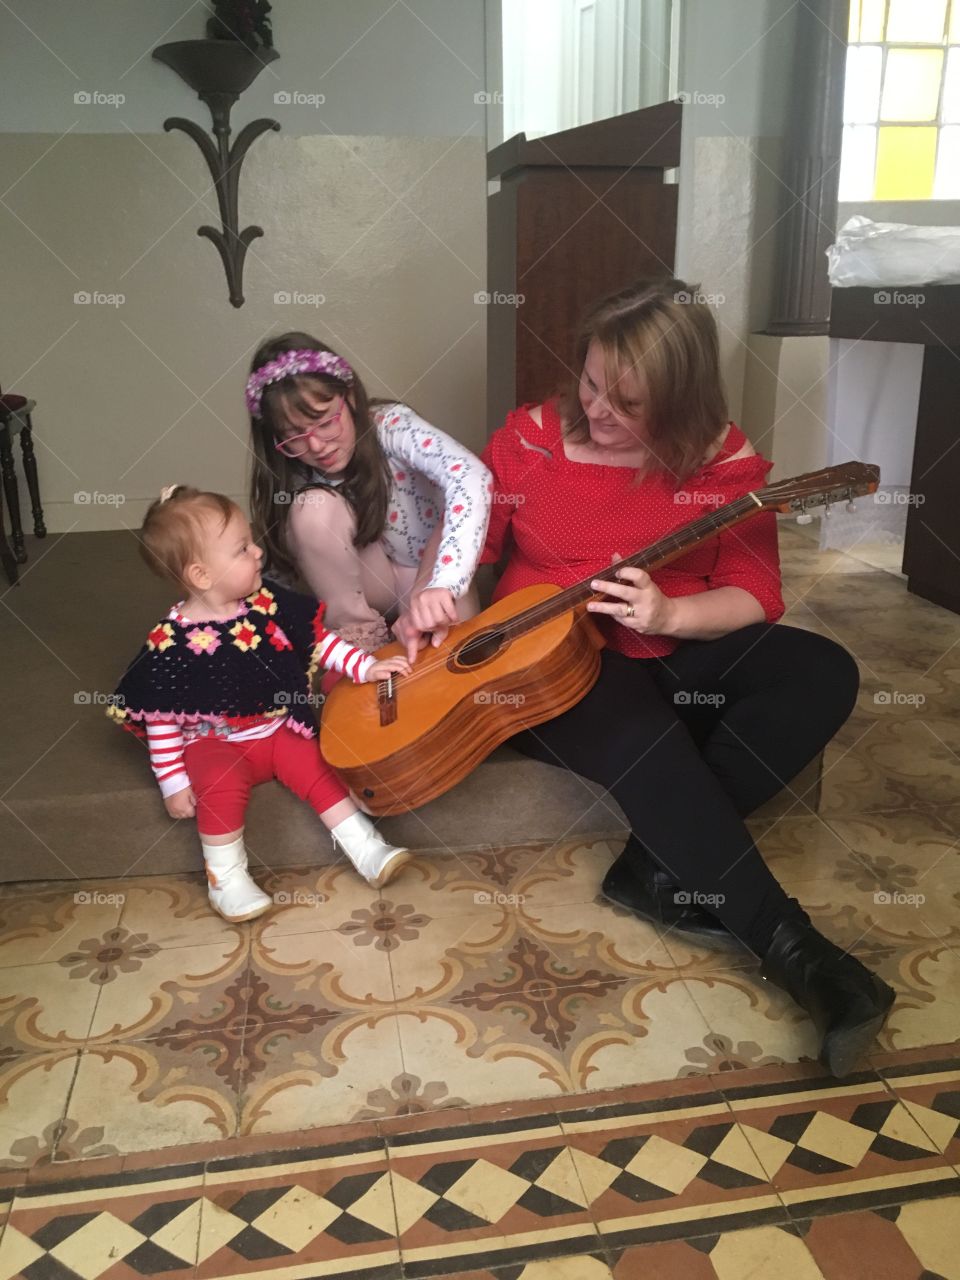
{"x":332,"y":652}
{"x":165,"y":742}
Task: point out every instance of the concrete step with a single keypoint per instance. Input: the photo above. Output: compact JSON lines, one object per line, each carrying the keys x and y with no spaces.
{"x":115,"y":833}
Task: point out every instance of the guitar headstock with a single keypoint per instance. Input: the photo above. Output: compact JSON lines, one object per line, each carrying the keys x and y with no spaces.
{"x":842,"y":483}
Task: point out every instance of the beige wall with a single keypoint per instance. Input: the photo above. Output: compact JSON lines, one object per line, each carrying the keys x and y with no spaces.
{"x":135,"y":396}
{"x":785,"y":400}
{"x":735,"y":63}
{"x":388,"y":226}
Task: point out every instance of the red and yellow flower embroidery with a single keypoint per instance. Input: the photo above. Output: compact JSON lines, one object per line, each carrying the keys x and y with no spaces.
{"x":245,"y":636}
{"x":263,"y":601}
{"x":161,"y":637}
{"x":278,"y":637}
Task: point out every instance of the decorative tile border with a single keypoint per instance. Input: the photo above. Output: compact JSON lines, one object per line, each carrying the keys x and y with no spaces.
{"x":503,"y":1191}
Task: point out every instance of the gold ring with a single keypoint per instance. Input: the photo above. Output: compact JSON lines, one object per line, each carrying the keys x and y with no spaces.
{"x":629,"y":613}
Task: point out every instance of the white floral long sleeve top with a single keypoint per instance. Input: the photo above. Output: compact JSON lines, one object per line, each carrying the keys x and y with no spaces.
{"x":434,"y":477}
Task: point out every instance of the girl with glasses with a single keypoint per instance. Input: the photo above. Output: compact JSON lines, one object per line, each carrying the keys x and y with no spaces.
{"x":380,"y":514}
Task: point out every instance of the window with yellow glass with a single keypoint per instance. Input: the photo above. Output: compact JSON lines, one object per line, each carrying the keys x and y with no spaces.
{"x":901,"y":109}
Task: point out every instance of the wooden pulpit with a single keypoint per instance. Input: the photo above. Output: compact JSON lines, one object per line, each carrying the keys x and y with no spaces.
{"x":578,"y":214}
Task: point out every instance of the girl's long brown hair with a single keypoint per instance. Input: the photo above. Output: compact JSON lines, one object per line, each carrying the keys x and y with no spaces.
{"x":662,"y":330}
{"x":366,"y":481}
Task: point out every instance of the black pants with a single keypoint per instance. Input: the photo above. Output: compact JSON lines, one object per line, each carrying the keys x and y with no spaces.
{"x":688,"y":745}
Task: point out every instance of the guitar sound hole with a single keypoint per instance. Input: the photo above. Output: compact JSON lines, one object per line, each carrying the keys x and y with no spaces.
{"x":480,"y":649}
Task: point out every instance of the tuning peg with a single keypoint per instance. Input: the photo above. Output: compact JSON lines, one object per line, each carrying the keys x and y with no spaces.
{"x":851,"y":507}
{"x":826,"y":511}
{"x":804,"y":518}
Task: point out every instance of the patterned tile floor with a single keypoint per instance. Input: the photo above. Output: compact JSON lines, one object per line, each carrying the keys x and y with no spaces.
{"x":759,"y":1172}
{"x":168,"y":1083}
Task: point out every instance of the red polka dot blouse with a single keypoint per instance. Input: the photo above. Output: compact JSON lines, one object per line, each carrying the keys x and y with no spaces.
{"x":559,"y":521}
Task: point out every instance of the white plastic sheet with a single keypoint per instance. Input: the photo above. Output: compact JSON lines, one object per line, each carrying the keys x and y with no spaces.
{"x":872,"y":253}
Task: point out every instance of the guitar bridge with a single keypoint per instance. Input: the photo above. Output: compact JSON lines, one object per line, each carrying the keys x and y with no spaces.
{"x":387,"y":699}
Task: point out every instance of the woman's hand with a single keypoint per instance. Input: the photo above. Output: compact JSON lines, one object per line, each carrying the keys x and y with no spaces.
{"x":182,"y":804}
{"x":386,"y":667}
{"x":641,"y":606}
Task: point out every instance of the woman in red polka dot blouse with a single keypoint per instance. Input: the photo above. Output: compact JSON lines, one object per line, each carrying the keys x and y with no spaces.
{"x":704,"y":708}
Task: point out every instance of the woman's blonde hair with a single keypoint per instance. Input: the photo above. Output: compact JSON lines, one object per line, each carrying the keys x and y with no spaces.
{"x":660,"y":329}
{"x":172,"y":531}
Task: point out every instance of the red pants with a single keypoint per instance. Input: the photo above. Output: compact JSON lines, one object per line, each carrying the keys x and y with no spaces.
{"x":222,"y":773}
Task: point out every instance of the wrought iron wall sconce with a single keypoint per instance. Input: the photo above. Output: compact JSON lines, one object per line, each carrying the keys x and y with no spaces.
{"x":219,"y":71}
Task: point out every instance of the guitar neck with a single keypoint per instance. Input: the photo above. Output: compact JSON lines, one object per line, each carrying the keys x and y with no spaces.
{"x":658,"y":553}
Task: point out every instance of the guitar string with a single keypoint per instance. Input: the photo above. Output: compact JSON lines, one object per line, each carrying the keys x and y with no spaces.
{"x":543,"y":611}
{"x":532,"y":615}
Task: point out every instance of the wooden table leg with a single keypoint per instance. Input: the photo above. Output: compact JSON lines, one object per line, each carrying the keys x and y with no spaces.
{"x":931,"y":549}
{"x":30,"y":471}
{"x":10,"y":489}
{"x":6,"y":556}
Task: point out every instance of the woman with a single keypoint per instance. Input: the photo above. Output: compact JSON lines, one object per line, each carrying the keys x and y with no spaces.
{"x":381,"y":515}
{"x":703,"y":709}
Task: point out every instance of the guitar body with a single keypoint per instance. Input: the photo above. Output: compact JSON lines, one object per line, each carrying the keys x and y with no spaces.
{"x":457,"y":705}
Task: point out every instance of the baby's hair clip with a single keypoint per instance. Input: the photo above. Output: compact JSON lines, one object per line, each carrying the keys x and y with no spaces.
{"x":167,"y":492}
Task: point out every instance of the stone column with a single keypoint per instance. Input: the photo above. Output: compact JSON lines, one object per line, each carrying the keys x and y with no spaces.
{"x":811,"y":170}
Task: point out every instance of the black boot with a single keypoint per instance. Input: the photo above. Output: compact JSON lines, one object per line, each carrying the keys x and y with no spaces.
{"x":847,"y":1002}
{"x":639,"y":884}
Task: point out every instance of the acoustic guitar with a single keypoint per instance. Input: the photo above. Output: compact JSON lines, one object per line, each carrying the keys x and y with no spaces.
{"x":526,"y":659}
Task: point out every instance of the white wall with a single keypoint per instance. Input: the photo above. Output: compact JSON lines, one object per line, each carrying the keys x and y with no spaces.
{"x":570,"y":62}
{"x":873,"y":392}
{"x":373,"y":202}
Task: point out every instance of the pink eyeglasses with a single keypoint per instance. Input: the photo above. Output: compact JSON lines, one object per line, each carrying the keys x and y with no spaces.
{"x":296,"y":446}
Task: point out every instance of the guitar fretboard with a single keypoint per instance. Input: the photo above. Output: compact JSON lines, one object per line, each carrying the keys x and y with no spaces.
{"x":658,"y":553}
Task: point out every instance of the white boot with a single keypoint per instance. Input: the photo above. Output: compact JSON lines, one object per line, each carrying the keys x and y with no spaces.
{"x":377,"y":861}
{"x":231,"y":890}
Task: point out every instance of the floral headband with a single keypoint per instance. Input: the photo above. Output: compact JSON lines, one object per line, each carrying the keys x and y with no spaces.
{"x":290,"y":363}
